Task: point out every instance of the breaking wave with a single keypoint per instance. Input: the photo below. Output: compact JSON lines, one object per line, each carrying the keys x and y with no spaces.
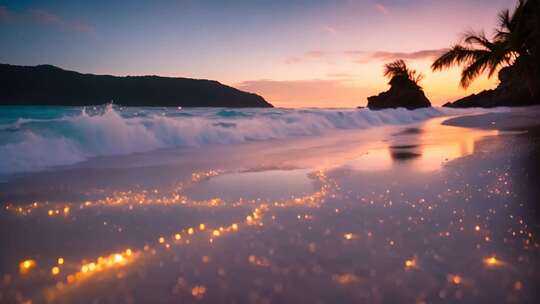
{"x":37,"y":138}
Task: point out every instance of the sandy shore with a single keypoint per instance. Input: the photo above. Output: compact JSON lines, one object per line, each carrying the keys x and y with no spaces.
{"x":440,"y":211}
{"x":515,"y":119}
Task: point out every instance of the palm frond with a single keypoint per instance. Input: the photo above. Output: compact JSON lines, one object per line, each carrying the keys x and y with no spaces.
{"x":505,"y":20}
{"x":499,"y":57}
{"x":415,"y":76}
{"x":516,"y":37}
{"x":473,"y":39}
{"x":456,"y":55}
{"x":395,"y":68}
{"x":502,"y":36}
{"x":473,"y":70}
{"x":399,"y":69}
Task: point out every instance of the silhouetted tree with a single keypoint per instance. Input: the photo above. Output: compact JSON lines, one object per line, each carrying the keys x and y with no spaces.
{"x":404,"y":90}
{"x":514,"y":44}
{"x":398,"y":70}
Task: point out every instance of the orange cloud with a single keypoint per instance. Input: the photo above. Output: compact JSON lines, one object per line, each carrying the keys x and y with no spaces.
{"x":365,"y":56}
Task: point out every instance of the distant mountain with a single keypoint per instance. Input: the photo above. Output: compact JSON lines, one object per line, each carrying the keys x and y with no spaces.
{"x":50,"y":85}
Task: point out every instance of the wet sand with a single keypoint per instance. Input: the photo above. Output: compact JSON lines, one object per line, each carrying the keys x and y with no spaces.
{"x":422,"y":213}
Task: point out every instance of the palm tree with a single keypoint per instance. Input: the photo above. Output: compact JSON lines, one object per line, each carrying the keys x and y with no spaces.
{"x":404,"y":92}
{"x":398,"y":70}
{"x":514,"y":44}
{"x":477,"y":54}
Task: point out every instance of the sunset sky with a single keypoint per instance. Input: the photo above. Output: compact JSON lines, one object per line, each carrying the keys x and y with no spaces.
{"x":294,"y":53}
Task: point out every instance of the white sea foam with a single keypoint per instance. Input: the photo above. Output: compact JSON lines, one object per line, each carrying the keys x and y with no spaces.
{"x":37,"y":144}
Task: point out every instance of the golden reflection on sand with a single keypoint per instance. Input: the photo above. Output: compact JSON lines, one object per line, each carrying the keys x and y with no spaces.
{"x":424,"y":149}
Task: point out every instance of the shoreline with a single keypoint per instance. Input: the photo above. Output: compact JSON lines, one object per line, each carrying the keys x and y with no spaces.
{"x":517,"y":119}
{"x":314,"y":151}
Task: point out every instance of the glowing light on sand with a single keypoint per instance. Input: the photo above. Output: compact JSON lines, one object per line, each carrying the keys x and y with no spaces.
{"x":345,"y":279}
{"x":409,"y":264}
{"x":118,"y":258}
{"x":348,"y":236}
{"x":60,"y":261}
{"x":492,"y":261}
{"x":258,"y":261}
{"x":198,"y":291}
{"x":26,"y":265}
{"x":455,"y":279}
{"x":55,"y":270}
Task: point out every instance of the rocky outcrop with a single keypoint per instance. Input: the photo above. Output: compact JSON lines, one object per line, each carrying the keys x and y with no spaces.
{"x":494,"y":98}
{"x":50,"y":85}
{"x":509,"y":92}
{"x":403,"y":93}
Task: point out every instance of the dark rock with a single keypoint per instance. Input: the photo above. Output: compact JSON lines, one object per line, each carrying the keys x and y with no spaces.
{"x":50,"y":85}
{"x":403,"y":93}
{"x":448,"y":104}
{"x":508,"y":93}
{"x":495,"y":98}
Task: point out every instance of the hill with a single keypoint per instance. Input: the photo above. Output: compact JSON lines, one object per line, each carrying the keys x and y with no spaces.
{"x":50,"y":85}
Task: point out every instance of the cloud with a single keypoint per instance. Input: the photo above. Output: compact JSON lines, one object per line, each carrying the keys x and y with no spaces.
{"x":309,"y":92}
{"x":309,"y":55}
{"x":382,"y":9}
{"x":330,"y":30}
{"x":316,"y":54}
{"x":365,"y":56}
{"x":43,"y":17}
{"x":342,"y":75}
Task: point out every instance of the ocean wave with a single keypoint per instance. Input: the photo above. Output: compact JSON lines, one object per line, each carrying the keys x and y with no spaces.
{"x":31,"y":144}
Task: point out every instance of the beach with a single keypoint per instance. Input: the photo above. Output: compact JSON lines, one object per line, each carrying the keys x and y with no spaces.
{"x":334,"y":207}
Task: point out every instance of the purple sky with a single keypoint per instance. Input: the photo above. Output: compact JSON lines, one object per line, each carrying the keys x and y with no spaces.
{"x":294,"y":53}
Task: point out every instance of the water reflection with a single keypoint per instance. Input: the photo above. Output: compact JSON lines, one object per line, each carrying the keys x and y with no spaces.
{"x":405,"y":152}
{"x":267,"y":184}
{"x":423,"y":149}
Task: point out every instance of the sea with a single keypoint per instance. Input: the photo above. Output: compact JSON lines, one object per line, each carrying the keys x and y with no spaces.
{"x":36,"y":138}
